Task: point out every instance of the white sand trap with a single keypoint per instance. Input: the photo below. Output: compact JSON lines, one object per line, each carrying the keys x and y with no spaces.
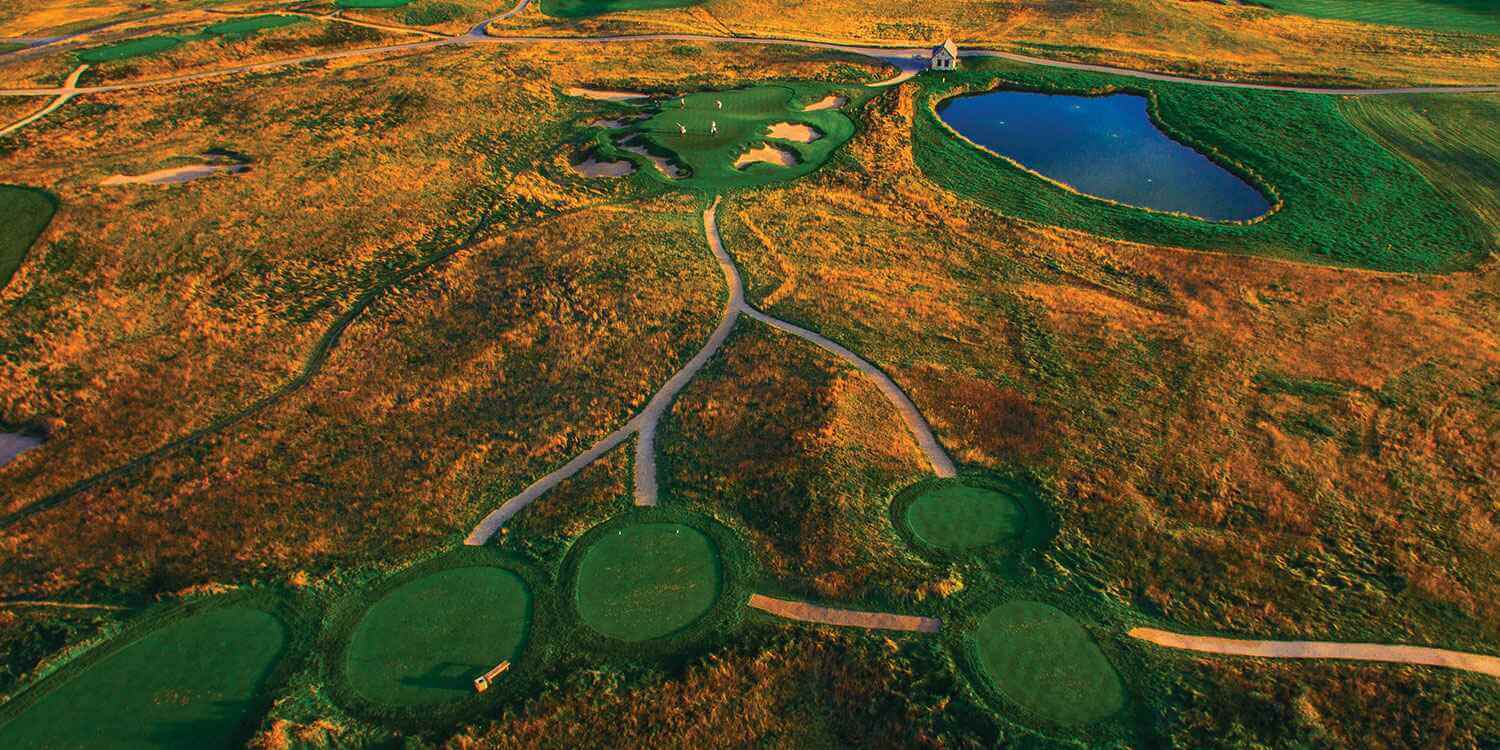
{"x":769,"y":154}
{"x":792,"y":131}
{"x":662,"y":163}
{"x":603,"y":95}
{"x":832,"y":101}
{"x":592,"y":167}
{"x":175,"y":175}
{"x":611,"y":124}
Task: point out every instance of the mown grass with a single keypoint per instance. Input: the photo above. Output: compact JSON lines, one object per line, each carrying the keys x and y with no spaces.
{"x":139,"y":47}
{"x":586,"y":8}
{"x":959,"y":517}
{"x":647,"y":581}
{"x":251,"y":25}
{"x":26,"y":213}
{"x":1467,"y":16}
{"x":1041,"y":659}
{"x":1451,"y":139}
{"x":1343,"y":199}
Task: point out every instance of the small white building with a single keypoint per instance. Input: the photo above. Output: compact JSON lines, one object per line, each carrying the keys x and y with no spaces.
{"x":944,"y":56}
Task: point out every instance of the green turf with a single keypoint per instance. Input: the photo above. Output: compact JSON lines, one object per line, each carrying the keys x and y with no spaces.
{"x":958,"y":517}
{"x":188,"y":684}
{"x":1346,"y":200}
{"x":371,"y":3}
{"x":647,"y":580}
{"x":584,"y":8}
{"x":1473,"y":16}
{"x":743,"y":121}
{"x":10,"y":47}
{"x":1041,"y":659}
{"x":146,"y":45}
{"x":251,"y":25}
{"x":426,"y":640}
{"x":24,"y":213}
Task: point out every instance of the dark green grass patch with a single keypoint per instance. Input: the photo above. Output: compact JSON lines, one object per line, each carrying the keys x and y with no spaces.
{"x":585,"y":8}
{"x":371,"y":3}
{"x":146,"y":45}
{"x":647,"y":581}
{"x":1343,"y":198}
{"x":24,"y":213}
{"x":1042,"y":660}
{"x":191,"y":676}
{"x":426,"y":640}
{"x":722,"y":125}
{"x":1469,"y":16}
{"x":251,"y":25}
{"x":961,"y":517}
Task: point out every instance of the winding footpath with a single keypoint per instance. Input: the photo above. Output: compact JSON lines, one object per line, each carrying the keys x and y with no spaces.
{"x":644,"y":424}
{"x":845,"y":618}
{"x":68,"y":91}
{"x":1433,"y":657}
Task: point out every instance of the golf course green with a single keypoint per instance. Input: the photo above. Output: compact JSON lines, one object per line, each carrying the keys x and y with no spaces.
{"x":586,"y":8}
{"x":371,"y":3}
{"x":192,"y":683}
{"x":146,"y":45}
{"x":1039,"y":658}
{"x":647,"y":580}
{"x":252,"y":24}
{"x":24,"y":213}
{"x":958,"y":517}
{"x":721,"y":126}
{"x":426,"y":640}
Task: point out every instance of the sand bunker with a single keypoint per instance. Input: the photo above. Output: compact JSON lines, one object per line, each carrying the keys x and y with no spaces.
{"x":592,"y":167}
{"x":175,"y":175}
{"x":832,"y":101}
{"x":603,"y":95}
{"x":793,"y":131}
{"x":662,"y":163}
{"x":766,"y":153}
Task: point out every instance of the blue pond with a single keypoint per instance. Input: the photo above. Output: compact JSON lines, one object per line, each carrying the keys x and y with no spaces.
{"x":1104,"y":146}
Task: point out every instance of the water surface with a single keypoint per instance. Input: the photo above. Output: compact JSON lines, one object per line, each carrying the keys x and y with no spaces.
{"x":1105,"y":146}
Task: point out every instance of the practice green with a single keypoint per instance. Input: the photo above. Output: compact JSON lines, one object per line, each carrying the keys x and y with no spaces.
{"x":146,"y":45}
{"x":1472,"y":16}
{"x":960,"y":517}
{"x":722,"y":125}
{"x":188,"y":684}
{"x":585,"y":8}
{"x":247,"y":26}
{"x":648,"y":580}
{"x":24,"y":213}
{"x":1042,"y":660}
{"x":426,"y":640}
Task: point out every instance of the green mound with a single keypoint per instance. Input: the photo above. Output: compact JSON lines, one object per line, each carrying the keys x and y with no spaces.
{"x":425,"y":641}
{"x":585,"y":8}
{"x":192,"y":683}
{"x":251,"y":25}
{"x":959,"y":517}
{"x":1042,"y":660}
{"x":647,"y":581}
{"x":146,"y":45}
{"x":1471,"y":16}
{"x":371,"y":3}
{"x":722,"y":125}
{"x":24,"y":213}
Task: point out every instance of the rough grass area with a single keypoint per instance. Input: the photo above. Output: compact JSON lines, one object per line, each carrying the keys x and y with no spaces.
{"x":585,"y":8}
{"x":961,"y":517}
{"x":426,"y":640}
{"x":1468,"y":16}
{"x":1345,"y":200}
{"x":1042,"y":660}
{"x":191,"y":683}
{"x":247,"y":26}
{"x":146,"y":45}
{"x":24,"y":213}
{"x":743,"y":122}
{"x":648,"y":580}
{"x":1451,"y":138}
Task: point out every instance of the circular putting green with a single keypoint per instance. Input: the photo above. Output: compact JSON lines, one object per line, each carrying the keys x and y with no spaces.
{"x":960,"y":517}
{"x":647,"y":580}
{"x":1041,"y":659}
{"x":720,"y":140}
{"x":191,"y":683}
{"x":426,"y":640}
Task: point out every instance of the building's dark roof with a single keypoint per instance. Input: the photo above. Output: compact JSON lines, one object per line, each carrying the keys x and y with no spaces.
{"x":947,"y":46}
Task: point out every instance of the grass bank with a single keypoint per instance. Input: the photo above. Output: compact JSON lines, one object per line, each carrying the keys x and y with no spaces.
{"x":26,"y":212}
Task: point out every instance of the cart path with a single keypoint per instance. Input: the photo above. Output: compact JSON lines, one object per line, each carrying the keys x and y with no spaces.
{"x":847,"y":618}
{"x":903,"y":57}
{"x":1433,"y":657}
{"x":60,"y":605}
{"x":69,"y":90}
